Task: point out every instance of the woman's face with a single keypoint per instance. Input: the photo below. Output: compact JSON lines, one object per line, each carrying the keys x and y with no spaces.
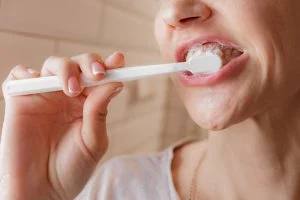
{"x":258,"y":41}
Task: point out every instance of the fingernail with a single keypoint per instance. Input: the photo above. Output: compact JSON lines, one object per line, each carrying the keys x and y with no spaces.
{"x":116,"y":92}
{"x":73,"y":85}
{"x":97,"y":68}
{"x":33,"y":72}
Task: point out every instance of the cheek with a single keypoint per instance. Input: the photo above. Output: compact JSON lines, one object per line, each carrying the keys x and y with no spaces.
{"x":164,"y":38}
{"x":157,"y":32}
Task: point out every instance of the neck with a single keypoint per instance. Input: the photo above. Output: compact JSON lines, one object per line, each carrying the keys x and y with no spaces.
{"x":258,"y":158}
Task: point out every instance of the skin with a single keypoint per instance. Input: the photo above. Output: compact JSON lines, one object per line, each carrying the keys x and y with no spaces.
{"x":254,"y":141}
{"x":253,"y":147}
{"x":52,"y":142}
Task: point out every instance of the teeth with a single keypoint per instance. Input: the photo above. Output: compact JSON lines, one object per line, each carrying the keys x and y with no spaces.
{"x":200,"y":50}
{"x":224,"y":52}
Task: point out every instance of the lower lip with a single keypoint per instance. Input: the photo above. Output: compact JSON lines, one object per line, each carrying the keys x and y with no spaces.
{"x":231,"y":69}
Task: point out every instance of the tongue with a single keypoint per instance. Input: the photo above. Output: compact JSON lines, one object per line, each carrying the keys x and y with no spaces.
{"x":229,"y":55}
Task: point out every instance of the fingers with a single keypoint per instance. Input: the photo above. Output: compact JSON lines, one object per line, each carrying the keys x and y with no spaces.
{"x":116,"y":60}
{"x":91,"y":65}
{"x":68,"y":72}
{"x":94,"y":118}
{"x":94,"y":68}
{"x":20,"y":72}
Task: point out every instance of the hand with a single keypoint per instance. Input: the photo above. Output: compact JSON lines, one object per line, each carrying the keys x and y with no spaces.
{"x":52,"y":142}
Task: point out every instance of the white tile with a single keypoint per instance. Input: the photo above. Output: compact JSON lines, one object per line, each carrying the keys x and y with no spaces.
{"x":127,"y":28}
{"x":134,"y":131}
{"x":80,"y":19}
{"x":151,"y":145}
{"x":149,"y":7}
{"x":16,"y":49}
{"x":145,"y":8}
{"x":135,"y":57}
{"x":151,"y":88}
{"x":132,"y":56}
{"x":70,"y":49}
{"x":119,"y":3}
{"x":119,"y":107}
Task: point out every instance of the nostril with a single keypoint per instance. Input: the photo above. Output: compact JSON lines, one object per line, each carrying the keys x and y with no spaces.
{"x":185,"y":20}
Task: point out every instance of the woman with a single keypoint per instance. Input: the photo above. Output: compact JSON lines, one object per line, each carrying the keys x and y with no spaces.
{"x":51,"y":143}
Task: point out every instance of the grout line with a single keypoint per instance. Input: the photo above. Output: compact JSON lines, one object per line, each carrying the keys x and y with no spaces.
{"x":79,"y":41}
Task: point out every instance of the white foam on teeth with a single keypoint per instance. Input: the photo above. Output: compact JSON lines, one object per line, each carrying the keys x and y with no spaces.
{"x":200,"y":51}
{"x":225,"y":53}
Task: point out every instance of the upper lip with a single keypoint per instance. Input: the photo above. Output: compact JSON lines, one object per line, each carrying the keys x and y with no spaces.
{"x":183,"y":48}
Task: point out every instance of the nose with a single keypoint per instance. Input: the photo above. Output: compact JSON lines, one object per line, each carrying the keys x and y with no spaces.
{"x":180,"y":13}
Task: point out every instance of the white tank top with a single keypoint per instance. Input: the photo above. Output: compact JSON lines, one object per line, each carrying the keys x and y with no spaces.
{"x":146,"y":177}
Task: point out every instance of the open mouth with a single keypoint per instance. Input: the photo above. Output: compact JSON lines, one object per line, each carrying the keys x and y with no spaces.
{"x":234,"y":59}
{"x":226,"y":52}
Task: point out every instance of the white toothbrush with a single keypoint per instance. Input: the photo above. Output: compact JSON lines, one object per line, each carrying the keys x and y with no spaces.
{"x":205,"y":64}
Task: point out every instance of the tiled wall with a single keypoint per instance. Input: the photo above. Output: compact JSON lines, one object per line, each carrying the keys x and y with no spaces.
{"x":32,"y":30}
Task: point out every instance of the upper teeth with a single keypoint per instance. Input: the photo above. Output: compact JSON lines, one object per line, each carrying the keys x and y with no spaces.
{"x":226,"y":53}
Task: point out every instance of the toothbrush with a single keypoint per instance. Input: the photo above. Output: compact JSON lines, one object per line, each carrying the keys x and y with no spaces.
{"x":204,"y":64}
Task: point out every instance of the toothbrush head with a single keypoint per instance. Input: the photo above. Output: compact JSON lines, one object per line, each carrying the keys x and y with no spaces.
{"x":205,"y":64}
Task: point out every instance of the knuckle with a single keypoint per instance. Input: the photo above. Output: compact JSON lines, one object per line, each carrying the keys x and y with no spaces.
{"x":16,"y":70}
{"x":59,"y":61}
{"x":18,"y":67}
{"x":65,"y":66}
{"x":49,"y":59}
{"x":89,"y":56}
{"x":57,"y":65}
{"x":102,"y":115}
{"x":93,"y":56}
{"x":63,"y":62}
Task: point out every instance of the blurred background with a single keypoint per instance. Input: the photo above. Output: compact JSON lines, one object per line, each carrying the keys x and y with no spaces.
{"x":148,"y":115}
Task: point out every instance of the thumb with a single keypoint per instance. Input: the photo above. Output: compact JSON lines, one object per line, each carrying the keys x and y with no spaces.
{"x":93,"y":131}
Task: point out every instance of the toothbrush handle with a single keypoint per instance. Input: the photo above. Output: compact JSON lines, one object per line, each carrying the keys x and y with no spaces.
{"x":52,"y":83}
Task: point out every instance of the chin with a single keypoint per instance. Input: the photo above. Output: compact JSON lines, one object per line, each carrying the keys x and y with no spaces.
{"x":215,"y":113}
{"x":211,"y":121}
